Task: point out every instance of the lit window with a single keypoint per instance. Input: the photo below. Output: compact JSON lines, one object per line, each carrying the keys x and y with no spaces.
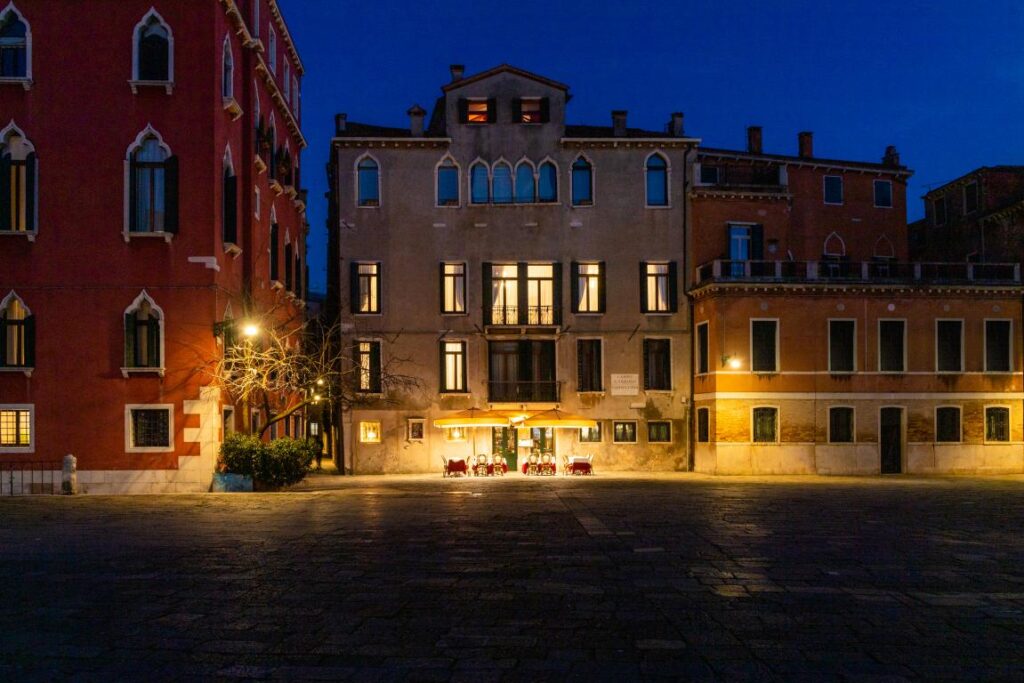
{"x":997,"y":424}
{"x":367,"y":364}
{"x":453,"y":287}
{"x":448,"y":184}
{"x":143,"y":335}
{"x":454,"y":434}
{"x":657,"y":181}
{"x":14,"y":54}
{"x":526,"y":189}
{"x":547,"y":183}
{"x":369,"y":431}
{"x":657,"y":289}
{"x":582,"y":183}
{"x":588,"y":295}
{"x":540,"y":294}
{"x":883,"y":194}
{"x":480,"y":192}
{"x":531,"y":110}
{"x":18,"y":186}
{"x":840,"y":424}
{"x":833,"y":189}
{"x":149,"y":428}
{"x":504,"y":294}
{"x":16,"y":428}
{"x":766,"y":425}
{"x":369,"y":182}
{"x":624,"y":432}
{"x":659,"y":431}
{"x":501,"y":192}
{"x":477,"y":111}
{"x":153,"y":50}
{"x":366,"y":287}
{"x":591,"y":434}
{"x":153,"y":188}
{"x":453,"y":370}
{"x":17,"y":334}
{"x":947,"y":424}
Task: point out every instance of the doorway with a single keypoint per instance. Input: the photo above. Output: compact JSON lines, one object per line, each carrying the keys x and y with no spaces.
{"x":890,"y":440}
{"x":503,"y":443}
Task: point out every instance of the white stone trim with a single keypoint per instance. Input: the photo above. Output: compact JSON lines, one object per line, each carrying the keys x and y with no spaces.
{"x":128,"y":408}
{"x":31,"y":408}
{"x":168,"y":85}
{"x":27,"y":80}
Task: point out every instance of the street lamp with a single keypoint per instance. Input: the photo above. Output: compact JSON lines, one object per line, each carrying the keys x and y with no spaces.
{"x":250,"y":330}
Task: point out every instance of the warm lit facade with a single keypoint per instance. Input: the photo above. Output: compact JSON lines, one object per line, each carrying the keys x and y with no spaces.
{"x":148,"y":191}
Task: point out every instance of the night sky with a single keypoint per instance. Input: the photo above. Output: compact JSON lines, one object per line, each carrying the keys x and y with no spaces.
{"x":941,"y":80}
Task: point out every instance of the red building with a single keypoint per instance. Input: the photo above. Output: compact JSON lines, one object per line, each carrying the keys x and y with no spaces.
{"x":149,"y":193}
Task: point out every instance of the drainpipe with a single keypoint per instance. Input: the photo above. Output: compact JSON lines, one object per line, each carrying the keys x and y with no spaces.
{"x":688,"y":270}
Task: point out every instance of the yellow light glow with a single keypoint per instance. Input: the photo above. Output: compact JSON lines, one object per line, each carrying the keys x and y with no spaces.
{"x":250,"y":330}
{"x":316,"y":397}
{"x":734,"y":363}
{"x":319,"y":382}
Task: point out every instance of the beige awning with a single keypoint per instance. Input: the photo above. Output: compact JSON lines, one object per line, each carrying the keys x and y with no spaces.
{"x":557,"y":418}
{"x":474,"y":417}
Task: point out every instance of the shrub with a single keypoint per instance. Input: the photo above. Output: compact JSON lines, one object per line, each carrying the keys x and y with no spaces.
{"x":280,"y":463}
{"x":239,"y":453}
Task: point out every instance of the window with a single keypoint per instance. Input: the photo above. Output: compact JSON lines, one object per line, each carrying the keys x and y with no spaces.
{"x":367,"y":362}
{"x":149,"y":428}
{"x":703,"y":366}
{"x":368,"y":179}
{"x":589,"y":365}
{"x":453,"y":367}
{"x":227,"y":415}
{"x":296,"y":97}
{"x":947,"y":424}
{"x":708,"y":175}
{"x":254,"y":29}
{"x":657,"y":365}
{"x":840,"y":424}
{"x":369,"y":431}
{"x":275,"y":251}
{"x":366,"y":287}
{"x":447,"y":183}
{"x":657,"y":180}
{"x":540,"y":293}
{"x":522,"y":372}
{"x":143,"y":334}
{"x":998,"y":346}
{"x":415,"y":429}
{"x":588,"y":288}
{"x":658,"y":287}
{"x":478,"y":111}
{"x":833,"y":189}
{"x":508,"y":286}
{"x":17,"y":334}
{"x":289,"y":267}
{"x":970,"y":198}
{"x":16,"y":433}
{"x":272,"y":48}
{"x":533,"y":110}
{"x":453,"y":434}
{"x":547,"y":183}
{"x":624,"y":432}
{"x":479,"y":184}
{"x":883,"y":194}
{"x":591,"y":434}
{"x":153,"y":50}
{"x":227,"y":72}
{"x":526,"y":189}
{"x":997,"y":423}
{"x":582,"y":183}
{"x":659,"y":431}
{"x":504,"y":294}
{"x":287,"y":82}
{"x":891,"y":346}
{"x":842,"y":345}
{"x":703,"y":425}
{"x":18,"y":182}
{"x":256,"y":201}
{"x":229,"y":210}
{"x":14,"y":46}
{"x":153,"y":187}
{"x":746,"y":243}
{"x":939,"y":210}
{"x":766,"y":425}
{"x":453,"y":287}
{"x":949,"y":344}
{"x":764,"y":345}
{"x":501,"y":192}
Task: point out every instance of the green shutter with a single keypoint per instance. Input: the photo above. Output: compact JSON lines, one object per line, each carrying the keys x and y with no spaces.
{"x":463,"y":110}
{"x":517,"y":110}
{"x":129,"y":340}
{"x":556,"y":288}
{"x":644,"y":306}
{"x":602,"y":286}
{"x":647,"y":365}
{"x":545,"y":110}
{"x":5,"y":194}
{"x":523,"y":287}
{"x":171,"y":195}
{"x":375,"y":378}
{"x":574,"y":286}
{"x":353,"y":286}
{"x":30,"y":191}
{"x":30,"y":341}
{"x":231,"y":209}
{"x":492,"y":110}
{"x":673,"y":286}
{"x":153,"y":338}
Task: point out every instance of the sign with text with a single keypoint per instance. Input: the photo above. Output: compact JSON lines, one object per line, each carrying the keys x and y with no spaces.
{"x":625,"y":385}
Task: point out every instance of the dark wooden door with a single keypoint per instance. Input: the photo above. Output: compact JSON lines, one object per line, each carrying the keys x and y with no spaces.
{"x":890,"y":440}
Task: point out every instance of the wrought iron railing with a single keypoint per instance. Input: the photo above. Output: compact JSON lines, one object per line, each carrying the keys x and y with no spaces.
{"x":30,"y":478}
{"x":511,"y":315}
{"x":523,"y":392}
{"x":838,"y":270}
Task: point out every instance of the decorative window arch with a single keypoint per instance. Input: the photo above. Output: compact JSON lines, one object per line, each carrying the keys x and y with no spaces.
{"x":582,"y":181}
{"x":884,"y":248}
{"x":367,"y":170}
{"x":153,"y":50}
{"x":229,"y":195}
{"x":547,"y":181}
{"x":447,"y":181}
{"x":526,"y":182}
{"x":272,"y":49}
{"x":17,"y":333}
{"x":479,"y":182}
{"x":19,"y":180}
{"x":270,"y":145}
{"x":15,"y":45}
{"x":227,"y":73}
{"x":143,"y":336}
{"x":834,"y":246}
{"x":501,"y":182}
{"x":151,"y":186}
{"x":656,"y":169}
{"x":287,"y":81}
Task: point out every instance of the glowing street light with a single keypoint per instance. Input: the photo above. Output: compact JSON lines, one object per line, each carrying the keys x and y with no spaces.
{"x":250,"y":330}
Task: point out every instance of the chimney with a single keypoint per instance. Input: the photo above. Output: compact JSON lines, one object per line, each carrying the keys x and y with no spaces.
{"x":754,"y":140}
{"x":416,"y":114}
{"x":619,"y":123}
{"x":805,"y":144}
{"x":340,"y":123}
{"x":892,"y":157}
{"x":675,"y":125}
{"x":457,"y":70}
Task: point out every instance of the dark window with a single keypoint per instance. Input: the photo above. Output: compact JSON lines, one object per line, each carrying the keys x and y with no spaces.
{"x":547,"y":183}
{"x":588,"y":288}
{"x":448,"y":184}
{"x":151,"y":428}
{"x":657,"y":365}
{"x":289,"y":268}
{"x":453,"y":366}
{"x":703,"y":366}
{"x":142,"y":337}
{"x":708,"y":175}
{"x":970,"y":198}
{"x":480,"y":184}
{"x":657,"y":181}
{"x":841,"y":345}
{"x":703,"y":425}
{"x":230,"y":209}
{"x":997,"y":424}
{"x":153,"y":191}
{"x":17,"y":335}
{"x":369,"y":182}
{"x":659,"y":432}
{"x":13,"y":47}
{"x":526,"y":188}
{"x":766,"y":423}
{"x":154,"y":52}
{"x":591,"y":434}
{"x":532,"y":110}
{"x":997,"y":346}
{"x":522,"y":372}
{"x":833,"y":189}
{"x":883,"y":194}
{"x":746,"y":243}
{"x":764,"y":351}
{"x":939,"y":210}
{"x":840,"y":425}
{"x":501,"y":184}
{"x":582,"y":183}
{"x":228,"y":74}
{"x":367,"y":288}
{"x":891,"y":346}
{"x":17,"y":185}
{"x":367,"y":362}
{"x":947,"y":424}
{"x":453,"y":288}
{"x":949,"y":345}
{"x":624,"y":432}
{"x":275,"y":252}
{"x":588,"y":365}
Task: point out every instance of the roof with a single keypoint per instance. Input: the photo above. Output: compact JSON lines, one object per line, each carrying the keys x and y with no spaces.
{"x":367,"y":130}
{"x":601,"y":132}
{"x":713,"y":151}
{"x":503,"y":68}
{"x":1000,"y":168}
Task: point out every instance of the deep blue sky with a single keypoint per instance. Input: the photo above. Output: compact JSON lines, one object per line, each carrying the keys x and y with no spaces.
{"x":941,"y":80}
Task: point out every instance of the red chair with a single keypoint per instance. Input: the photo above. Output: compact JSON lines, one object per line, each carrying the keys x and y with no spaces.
{"x":456,"y":467}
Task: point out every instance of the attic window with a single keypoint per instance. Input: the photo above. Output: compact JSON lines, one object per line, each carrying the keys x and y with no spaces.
{"x":477,"y":111}
{"x":530,"y":110}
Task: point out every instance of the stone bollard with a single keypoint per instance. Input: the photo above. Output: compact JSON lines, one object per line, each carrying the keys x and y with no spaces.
{"x":69,"y":479}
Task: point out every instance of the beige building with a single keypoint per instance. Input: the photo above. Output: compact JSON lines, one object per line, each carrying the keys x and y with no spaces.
{"x":507,"y":260}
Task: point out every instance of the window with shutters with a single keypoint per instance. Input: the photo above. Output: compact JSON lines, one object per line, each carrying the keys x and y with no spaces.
{"x":522,"y":372}
{"x":764,"y":345}
{"x":447,"y":183}
{"x":658,"y":287}
{"x":624,"y":431}
{"x":997,"y":423}
{"x":143,"y":336}
{"x":892,"y":343}
{"x":479,"y":183}
{"x":657,"y":365}
{"x":971,"y":198}
{"x":591,"y":434}
{"x":703,"y":363}
{"x":657,"y":181}
{"x":289,"y":267}
{"x":589,"y":375}
{"x":18,"y":183}
{"x":17,"y":433}
{"x":17,"y":334}
{"x":948,"y":424}
{"x":453,"y":288}
{"x":588,"y":280}
{"x":765,"y":424}
{"x":998,"y":346}
{"x":540,"y":294}
{"x":478,"y":111}
{"x":154,"y":51}
{"x":840,"y":424}
{"x":503,"y":294}
{"x":703,"y":425}
{"x":367,"y":182}
{"x":883,"y":194}
{"x":582,"y":182}
{"x":659,"y":431}
{"x":453,"y":367}
{"x":229,"y":209}
{"x":526,"y":183}
{"x":366,"y":288}
{"x":501,"y":183}
{"x":275,"y":249}
{"x":708,"y":175}
{"x":833,"y":185}
{"x":949,"y":345}
{"x":533,"y":110}
{"x":842,"y":344}
{"x":366,"y":357}
{"x":522,"y":293}
{"x":149,"y":428}
{"x":152,"y":187}
{"x":547,"y":183}
{"x":15,"y":45}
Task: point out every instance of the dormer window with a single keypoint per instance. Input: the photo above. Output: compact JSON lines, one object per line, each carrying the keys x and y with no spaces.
{"x":533,"y":110}
{"x":477,"y":111}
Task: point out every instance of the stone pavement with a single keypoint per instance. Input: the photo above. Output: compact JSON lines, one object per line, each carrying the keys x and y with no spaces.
{"x":606,"y":578}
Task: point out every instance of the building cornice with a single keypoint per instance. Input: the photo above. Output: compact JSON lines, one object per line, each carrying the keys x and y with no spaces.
{"x":903,"y":289}
{"x":287,"y":35}
{"x":630,"y":142}
{"x":800,"y":162}
{"x":740,"y":194}
{"x":390,"y":142}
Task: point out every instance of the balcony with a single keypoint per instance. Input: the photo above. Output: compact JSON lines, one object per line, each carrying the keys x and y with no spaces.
{"x":879,"y":271}
{"x":745,"y":179}
{"x":523,"y":392}
{"x":513,"y":315}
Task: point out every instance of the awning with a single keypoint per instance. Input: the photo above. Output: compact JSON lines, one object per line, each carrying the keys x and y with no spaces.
{"x":557,"y":418}
{"x":474,"y":417}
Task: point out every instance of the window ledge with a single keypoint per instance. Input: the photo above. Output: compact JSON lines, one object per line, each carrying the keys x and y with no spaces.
{"x":25,"y":83}
{"x":291,"y":191}
{"x":299,"y":204}
{"x":663,"y":392}
{"x":125,"y":372}
{"x":658,"y":206}
{"x":167,"y":236}
{"x":26,"y":371}
{"x":455,"y":394}
{"x":150,"y":449}
{"x":30,"y":235}
{"x":18,"y":449}
{"x":261,"y":165}
{"x":276,"y":186}
{"x":168,"y":86}
{"x":232,"y":249}
{"x":596,"y":392}
{"x":232,"y":107}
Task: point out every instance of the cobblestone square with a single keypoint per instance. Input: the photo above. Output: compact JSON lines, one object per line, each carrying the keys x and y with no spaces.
{"x":602,"y":578}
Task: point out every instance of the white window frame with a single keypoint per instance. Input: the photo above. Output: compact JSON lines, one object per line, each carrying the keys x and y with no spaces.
{"x":698,"y":356}
{"x":162,"y":324}
{"x":984,"y":423}
{"x":9,"y":131}
{"x":444,"y":390}
{"x":984,"y":357}
{"x":824,"y":192}
{"x":856,"y":365}
{"x":668,"y":181}
{"x":465,"y":288}
{"x":960,"y":424}
{"x":272,"y":49}
{"x":778,"y":425}
{"x":874,"y":194}
{"x":409,"y":422}
{"x":355,"y":184}
{"x":380,"y":288}
{"x":600,"y":434}
{"x":27,"y":370}
{"x":168,"y":85}
{"x":469,"y":183}
{"x":502,"y":161}
{"x":671,"y":431}
{"x":534,"y":171}
{"x":26,"y":81}
{"x":636,"y":432}
{"x":478,"y":100}
{"x":128,"y":436}
{"x":600,"y":342}
{"x":380,"y":343}
{"x":853,"y":425}
{"x":778,"y":350}
{"x":602,"y":278}
{"x":126,"y":232}
{"x":31,"y":408}
{"x":963,"y":327}
{"x":437,"y":186}
{"x":878,"y":346}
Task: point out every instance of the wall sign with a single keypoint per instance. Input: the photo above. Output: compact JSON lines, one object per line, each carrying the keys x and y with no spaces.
{"x":625,"y":385}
